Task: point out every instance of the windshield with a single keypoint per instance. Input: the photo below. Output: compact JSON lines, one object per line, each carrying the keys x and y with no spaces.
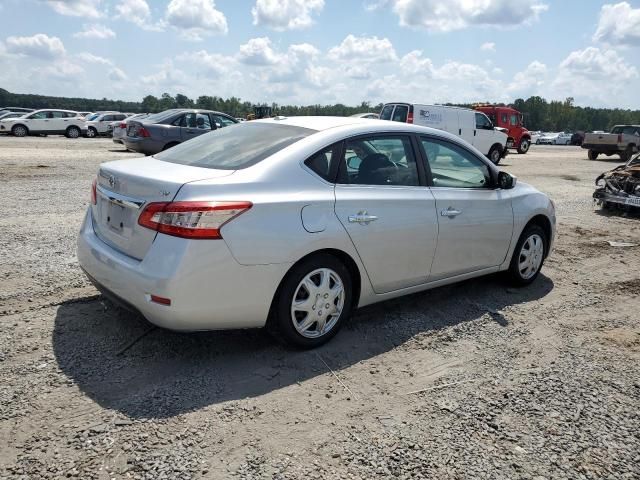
{"x":627,"y":130}
{"x":235,"y":147}
{"x":93,"y":116}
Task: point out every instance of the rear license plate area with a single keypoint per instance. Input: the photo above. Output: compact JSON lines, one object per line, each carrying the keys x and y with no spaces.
{"x":115,"y":216}
{"x":633,"y":201}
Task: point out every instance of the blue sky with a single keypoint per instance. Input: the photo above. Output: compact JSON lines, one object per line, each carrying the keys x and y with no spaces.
{"x":325,"y":51}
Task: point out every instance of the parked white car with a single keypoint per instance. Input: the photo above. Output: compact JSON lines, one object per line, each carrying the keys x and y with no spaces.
{"x":47,"y":122}
{"x":547,"y":139}
{"x":98,"y":123}
{"x":313,"y":216}
{"x":474,"y":127}
{"x":563,"y":139}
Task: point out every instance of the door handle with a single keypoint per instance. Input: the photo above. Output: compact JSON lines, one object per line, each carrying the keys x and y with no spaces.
{"x":363,"y":218}
{"x":450,"y":212}
{"x":474,"y":133}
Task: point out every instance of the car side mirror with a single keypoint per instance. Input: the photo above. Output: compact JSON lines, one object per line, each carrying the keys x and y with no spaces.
{"x":506,"y":181}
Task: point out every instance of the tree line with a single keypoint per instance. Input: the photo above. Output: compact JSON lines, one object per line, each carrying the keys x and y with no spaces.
{"x":539,"y":113}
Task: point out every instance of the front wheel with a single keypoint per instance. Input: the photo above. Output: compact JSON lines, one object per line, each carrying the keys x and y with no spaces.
{"x":626,"y":155}
{"x":593,"y":155}
{"x":92,"y":132}
{"x":528,"y":255}
{"x":19,"y":131}
{"x":495,"y":154}
{"x":312,"y":303}
{"x":524,"y":146}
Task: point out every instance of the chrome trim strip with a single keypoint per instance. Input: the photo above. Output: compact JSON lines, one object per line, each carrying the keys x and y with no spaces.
{"x":120,"y":199}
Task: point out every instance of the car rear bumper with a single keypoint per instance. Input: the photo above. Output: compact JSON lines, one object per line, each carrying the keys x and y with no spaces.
{"x":208,"y":288}
{"x":142,"y":145}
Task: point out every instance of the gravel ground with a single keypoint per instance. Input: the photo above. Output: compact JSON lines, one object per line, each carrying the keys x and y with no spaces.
{"x":476,"y":380}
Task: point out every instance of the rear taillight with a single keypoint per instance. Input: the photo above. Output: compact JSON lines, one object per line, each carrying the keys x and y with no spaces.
{"x":197,"y":220}
{"x":94,"y":195}
{"x":143,"y":132}
{"x":410,"y":116}
{"x":123,"y":125}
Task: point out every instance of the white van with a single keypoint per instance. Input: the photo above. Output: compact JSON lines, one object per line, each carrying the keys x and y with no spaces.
{"x":470,"y":125}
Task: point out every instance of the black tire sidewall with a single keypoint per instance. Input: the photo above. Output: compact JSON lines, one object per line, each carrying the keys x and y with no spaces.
{"x":492,"y":153}
{"x":524,"y":150}
{"x":514,"y":272}
{"x":281,"y":323}
{"x":13,"y":131}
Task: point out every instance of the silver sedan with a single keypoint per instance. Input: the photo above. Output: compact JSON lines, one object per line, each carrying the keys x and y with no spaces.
{"x":292,"y":223}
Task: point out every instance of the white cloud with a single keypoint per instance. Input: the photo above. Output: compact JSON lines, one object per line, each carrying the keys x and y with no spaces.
{"x":619,"y":24}
{"x":488,"y":47}
{"x":117,"y":75}
{"x":76,"y":8}
{"x":168,"y":77}
{"x":364,"y":49}
{"x":209,"y":63}
{"x":62,"y":70}
{"x":258,"y":51}
{"x":439,"y":16}
{"x":319,"y":76}
{"x":597,"y":76}
{"x":413,"y":63}
{"x":39,"y":45}
{"x":286,"y":14}
{"x":91,"y":58}
{"x":530,"y":79}
{"x":196,"y":19}
{"x":138,"y":13}
{"x":96,"y":31}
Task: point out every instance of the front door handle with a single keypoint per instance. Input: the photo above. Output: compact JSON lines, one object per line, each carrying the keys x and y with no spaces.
{"x":363,"y":218}
{"x":450,"y":212}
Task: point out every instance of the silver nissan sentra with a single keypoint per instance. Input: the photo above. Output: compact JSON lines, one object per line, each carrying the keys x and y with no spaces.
{"x":291,"y":223}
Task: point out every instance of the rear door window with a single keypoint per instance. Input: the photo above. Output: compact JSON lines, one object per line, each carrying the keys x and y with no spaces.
{"x":320,"y":163}
{"x":386,"y":112}
{"x":400,"y":113}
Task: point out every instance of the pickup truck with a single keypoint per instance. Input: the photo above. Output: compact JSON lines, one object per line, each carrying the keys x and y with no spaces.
{"x":624,"y":140}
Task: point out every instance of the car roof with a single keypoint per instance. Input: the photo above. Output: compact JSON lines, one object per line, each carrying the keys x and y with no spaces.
{"x":54,"y":110}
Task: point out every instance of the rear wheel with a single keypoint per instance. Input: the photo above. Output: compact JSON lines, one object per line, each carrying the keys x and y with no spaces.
{"x":524,"y":146}
{"x":72,"y":132}
{"x":312,"y":302}
{"x":528,"y":255}
{"x":19,"y":131}
{"x":495,"y":154}
{"x":593,"y":155}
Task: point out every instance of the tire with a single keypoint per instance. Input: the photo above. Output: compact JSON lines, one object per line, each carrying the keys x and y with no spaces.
{"x":304,"y":281}
{"x":525,"y":267}
{"x":72,"y":132}
{"x":523,"y":148}
{"x":20,"y":131}
{"x":92,"y":132}
{"x":625,"y":156}
{"x":169,"y":145}
{"x":495,"y":154}
{"x":568,"y":142}
{"x":593,"y":155}
{"x":537,"y":142}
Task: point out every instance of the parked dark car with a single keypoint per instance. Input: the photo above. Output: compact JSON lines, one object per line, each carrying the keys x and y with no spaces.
{"x":164,"y":130}
{"x":577,"y":138}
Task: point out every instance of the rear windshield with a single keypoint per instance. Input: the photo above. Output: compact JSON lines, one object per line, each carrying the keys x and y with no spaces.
{"x":386,"y":112}
{"x":400,"y":113}
{"x":627,"y":130}
{"x":159,"y":117}
{"x":235,"y":147}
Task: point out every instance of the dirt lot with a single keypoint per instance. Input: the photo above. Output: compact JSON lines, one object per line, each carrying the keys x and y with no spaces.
{"x":537,"y":383}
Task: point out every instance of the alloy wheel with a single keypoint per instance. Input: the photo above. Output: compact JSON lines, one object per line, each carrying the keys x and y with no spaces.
{"x":317,"y":303}
{"x":531,"y":256}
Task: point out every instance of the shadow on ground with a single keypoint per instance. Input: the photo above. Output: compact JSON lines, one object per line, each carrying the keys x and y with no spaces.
{"x":165,"y":373}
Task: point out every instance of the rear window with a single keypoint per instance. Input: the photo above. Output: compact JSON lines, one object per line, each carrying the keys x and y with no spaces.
{"x":400,"y":113}
{"x":386,"y":112}
{"x":235,"y":147}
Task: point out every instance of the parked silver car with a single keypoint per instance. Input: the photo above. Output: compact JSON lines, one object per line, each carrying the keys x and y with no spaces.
{"x":294,"y":222}
{"x":119,"y":128}
{"x":167,"y":129}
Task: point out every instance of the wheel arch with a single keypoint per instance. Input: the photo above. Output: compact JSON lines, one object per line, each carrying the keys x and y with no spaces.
{"x":20,"y":125}
{"x":168,"y":145}
{"x":344,"y":258}
{"x":543,"y":222}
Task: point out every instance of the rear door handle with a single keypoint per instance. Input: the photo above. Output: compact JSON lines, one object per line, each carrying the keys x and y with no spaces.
{"x":363,"y":218}
{"x":450,"y":212}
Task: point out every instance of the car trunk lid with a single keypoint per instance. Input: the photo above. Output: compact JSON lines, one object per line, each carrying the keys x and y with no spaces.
{"x":124,"y":188}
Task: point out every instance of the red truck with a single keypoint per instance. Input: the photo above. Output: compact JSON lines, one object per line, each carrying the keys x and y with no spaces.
{"x":511,"y":120}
